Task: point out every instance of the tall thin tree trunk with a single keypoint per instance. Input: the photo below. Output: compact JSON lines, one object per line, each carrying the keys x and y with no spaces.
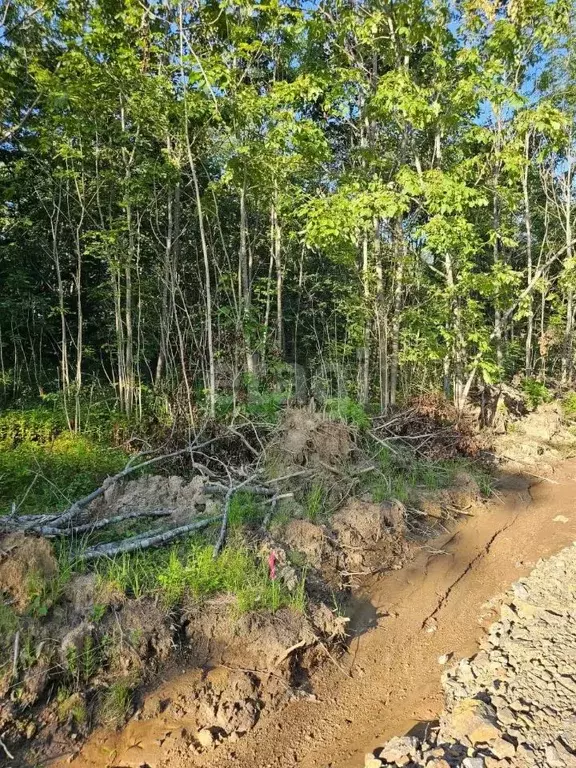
{"x":245,"y":299}
{"x":79,"y":329}
{"x":207,"y":289}
{"x":165,"y":292}
{"x":277,"y":250}
{"x":203,"y":243}
{"x":364,"y":356}
{"x":268,"y":308}
{"x":568,"y":345}
{"x":400,"y":253}
{"x":381,"y":321}
{"x":64,"y":366}
{"x":498,"y":316}
{"x":528,"y":228}
{"x":119,"y":331}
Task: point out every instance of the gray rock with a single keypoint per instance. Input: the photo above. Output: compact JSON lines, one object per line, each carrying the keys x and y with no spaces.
{"x":400,"y":750}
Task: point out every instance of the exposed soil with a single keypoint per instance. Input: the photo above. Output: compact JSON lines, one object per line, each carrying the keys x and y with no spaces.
{"x":389,"y":681}
{"x":512,"y":703}
{"x":540,"y":438}
{"x":24,"y":559}
{"x":307,"y":439}
{"x":184,"y":499}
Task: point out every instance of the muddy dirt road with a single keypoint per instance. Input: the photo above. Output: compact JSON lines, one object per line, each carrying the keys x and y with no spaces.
{"x":389,"y":682}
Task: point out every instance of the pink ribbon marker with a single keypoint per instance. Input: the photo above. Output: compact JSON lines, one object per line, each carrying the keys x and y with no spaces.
{"x":272,"y":564}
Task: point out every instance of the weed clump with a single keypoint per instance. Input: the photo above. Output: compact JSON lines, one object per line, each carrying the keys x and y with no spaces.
{"x":535,"y":392}
{"x":192,"y":571}
{"x":569,"y":405}
{"x":70,"y":706}
{"x":403,"y":478}
{"x":116,"y":703}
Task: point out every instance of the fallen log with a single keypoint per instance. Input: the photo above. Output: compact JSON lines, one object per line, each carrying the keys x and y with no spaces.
{"x":51,"y":532}
{"x":144,"y":540}
{"x":36,"y":523}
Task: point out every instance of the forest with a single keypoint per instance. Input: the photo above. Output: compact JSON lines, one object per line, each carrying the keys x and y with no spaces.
{"x":207,"y":204}
{"x":287,"y":296}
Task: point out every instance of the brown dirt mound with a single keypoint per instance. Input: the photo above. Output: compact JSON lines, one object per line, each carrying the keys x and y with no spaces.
{"x":307,"y":439}
{"x":258,"y":640}
{"x":540,"y":439}
{"x":434,"y":428}
{"x":26,"y":565}
{"x":143,"y":634}
{"x":447,"y":502}
{"x":154,"y":492}
{"x":371,"y":536}
{"x":362,"y":536}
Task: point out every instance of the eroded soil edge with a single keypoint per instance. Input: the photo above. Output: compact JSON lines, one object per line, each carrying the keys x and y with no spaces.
{"x":389,"y":681}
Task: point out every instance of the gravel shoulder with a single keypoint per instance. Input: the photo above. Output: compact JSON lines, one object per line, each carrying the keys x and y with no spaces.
{"x":514,"y":702}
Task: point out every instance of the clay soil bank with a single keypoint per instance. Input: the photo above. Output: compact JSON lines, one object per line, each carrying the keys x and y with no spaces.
{"x":389,"y":681}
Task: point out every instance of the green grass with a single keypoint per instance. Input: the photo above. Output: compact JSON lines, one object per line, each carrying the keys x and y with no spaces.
{"x":402,"y":476}
{"x":315,"y":502}
{"x":70,"y":706}
{"x":569,"y":405}
{"x":46,"y":477}
{"x":347,"y":410}
{"x":245,"y":509}
{"x":536,"y":392}
{"x":116,"y":703}
{"x":44,"y":593}
{"x":191,"y":570}
{"x":9,"y":623}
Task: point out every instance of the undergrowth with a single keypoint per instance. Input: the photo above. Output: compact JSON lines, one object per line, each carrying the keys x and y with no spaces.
{"x":190,"y":570}
{"x":70,"y":706}
{"x":401,"y":476}
{"x":42,"y":477}
{"x":347,"y":410}
{"x":569,"y":405}
{"x":536,"y":392}
{"x":116,"y":703}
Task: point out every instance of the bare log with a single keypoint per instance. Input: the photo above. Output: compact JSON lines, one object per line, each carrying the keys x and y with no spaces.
{"x":145,"y":540}
{"x":102,"y":523}
{"x":260,"y":490}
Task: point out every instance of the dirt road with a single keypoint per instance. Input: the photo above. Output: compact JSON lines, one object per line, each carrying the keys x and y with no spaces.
{"x":390,"y":680}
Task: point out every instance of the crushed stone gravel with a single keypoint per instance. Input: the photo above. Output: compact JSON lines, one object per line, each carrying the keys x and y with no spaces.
{"x":514,"y":702}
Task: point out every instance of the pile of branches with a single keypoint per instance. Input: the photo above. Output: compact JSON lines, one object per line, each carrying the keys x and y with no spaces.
{"x":77,"y":520}
{"x":432,"y":427}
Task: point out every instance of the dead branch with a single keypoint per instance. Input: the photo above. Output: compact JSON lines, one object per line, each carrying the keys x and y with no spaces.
{"x":20,"y":522}
{"x":245,"y":442}
{"x":291,"y":475}
{"x":9,"y":754}
{"x":102,"y":523}
{"x":330,"y":468}
{"x":76,"y":508}
{"x":273,"y":504}
{"x":261,"y":490}
{"x":227,"y":501}
{"x":15,"y":655}
{"x":275,"y":499}
{"x":145,"y":540}
{"x":288,"y":651}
